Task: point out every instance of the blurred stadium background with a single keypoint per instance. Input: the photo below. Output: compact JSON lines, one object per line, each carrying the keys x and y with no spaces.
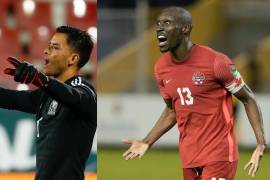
{"x":129,"y":103}
{"x":26,"y":26}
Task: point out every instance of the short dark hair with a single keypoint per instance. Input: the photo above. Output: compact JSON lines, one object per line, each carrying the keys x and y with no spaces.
{"x":80,"y":41}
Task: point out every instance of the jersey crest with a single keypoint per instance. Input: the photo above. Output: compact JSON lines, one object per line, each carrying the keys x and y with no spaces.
{"x":198,"y":78}
{"x":52,"y":108}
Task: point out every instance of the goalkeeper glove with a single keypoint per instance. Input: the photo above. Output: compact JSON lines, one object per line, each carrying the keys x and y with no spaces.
{"x":26,"y":73}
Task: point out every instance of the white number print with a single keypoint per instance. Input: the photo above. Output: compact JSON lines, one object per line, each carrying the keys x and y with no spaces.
{"x":188,"y":100}
{"x":213,"y":178}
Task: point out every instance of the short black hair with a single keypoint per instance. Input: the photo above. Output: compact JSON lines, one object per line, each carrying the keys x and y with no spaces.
{"x":80,"y":41}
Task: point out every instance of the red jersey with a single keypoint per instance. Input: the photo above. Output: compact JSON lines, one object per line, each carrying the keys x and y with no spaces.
{"x":201,"y":89}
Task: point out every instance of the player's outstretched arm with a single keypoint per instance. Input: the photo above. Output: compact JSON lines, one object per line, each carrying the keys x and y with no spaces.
{"x":138,"y":147}
{"x":79,"y":96}
{"x":246,"y":96}
{"x":26,"y":101}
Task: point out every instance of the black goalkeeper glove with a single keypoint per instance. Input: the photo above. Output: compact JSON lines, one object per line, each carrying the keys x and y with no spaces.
{"x":26,"y":73}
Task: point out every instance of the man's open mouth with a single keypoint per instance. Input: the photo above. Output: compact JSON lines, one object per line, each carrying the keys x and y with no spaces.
{"x":46,"y":62}
{"x":162,"y":40}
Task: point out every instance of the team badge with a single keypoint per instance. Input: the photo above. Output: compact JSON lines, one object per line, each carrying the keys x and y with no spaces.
{"x":52,"y":108}
{"x":198,"y":78}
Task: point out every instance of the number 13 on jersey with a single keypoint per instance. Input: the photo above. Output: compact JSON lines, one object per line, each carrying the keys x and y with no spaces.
{"x":185,"y":96}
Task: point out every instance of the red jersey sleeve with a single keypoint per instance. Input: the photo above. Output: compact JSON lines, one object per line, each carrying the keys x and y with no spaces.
{"x":160,"y":82}
{"x":227,"y":74}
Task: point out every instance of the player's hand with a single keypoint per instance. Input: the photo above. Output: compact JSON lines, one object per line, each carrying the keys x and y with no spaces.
{"x":137,"y":149}
{"x":254,"y":162}
{"x":26,"y":73}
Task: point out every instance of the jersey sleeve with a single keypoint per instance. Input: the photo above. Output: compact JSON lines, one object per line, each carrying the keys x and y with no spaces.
{"x":77,"y":94}
{"x":227,"y":74}
{"x":160,"y":82}
{"x":25,"y":101}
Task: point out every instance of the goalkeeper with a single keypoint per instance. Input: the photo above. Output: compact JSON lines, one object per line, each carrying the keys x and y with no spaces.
{"x":64,"y":104}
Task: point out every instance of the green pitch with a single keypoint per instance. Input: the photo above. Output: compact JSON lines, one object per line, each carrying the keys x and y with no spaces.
{"x":161,"y":165}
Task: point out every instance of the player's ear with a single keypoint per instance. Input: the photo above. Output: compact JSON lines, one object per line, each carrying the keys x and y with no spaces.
{"x":186,"y":29}
{"x":74,"y":59}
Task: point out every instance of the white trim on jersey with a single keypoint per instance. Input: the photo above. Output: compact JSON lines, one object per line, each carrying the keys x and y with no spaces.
{"x":78,"y":82}
{"x":38,"y":121}
{"x":237,"y":84}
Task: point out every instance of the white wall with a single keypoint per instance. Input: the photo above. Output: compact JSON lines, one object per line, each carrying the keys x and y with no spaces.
{"x":132,"y":116}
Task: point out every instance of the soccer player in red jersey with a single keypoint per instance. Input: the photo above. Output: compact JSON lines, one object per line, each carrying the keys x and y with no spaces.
{"x":197,"y":83}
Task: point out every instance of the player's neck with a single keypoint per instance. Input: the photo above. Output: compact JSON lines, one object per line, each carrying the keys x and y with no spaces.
{"x":183,"y":51}
{"x":66,"y":75}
